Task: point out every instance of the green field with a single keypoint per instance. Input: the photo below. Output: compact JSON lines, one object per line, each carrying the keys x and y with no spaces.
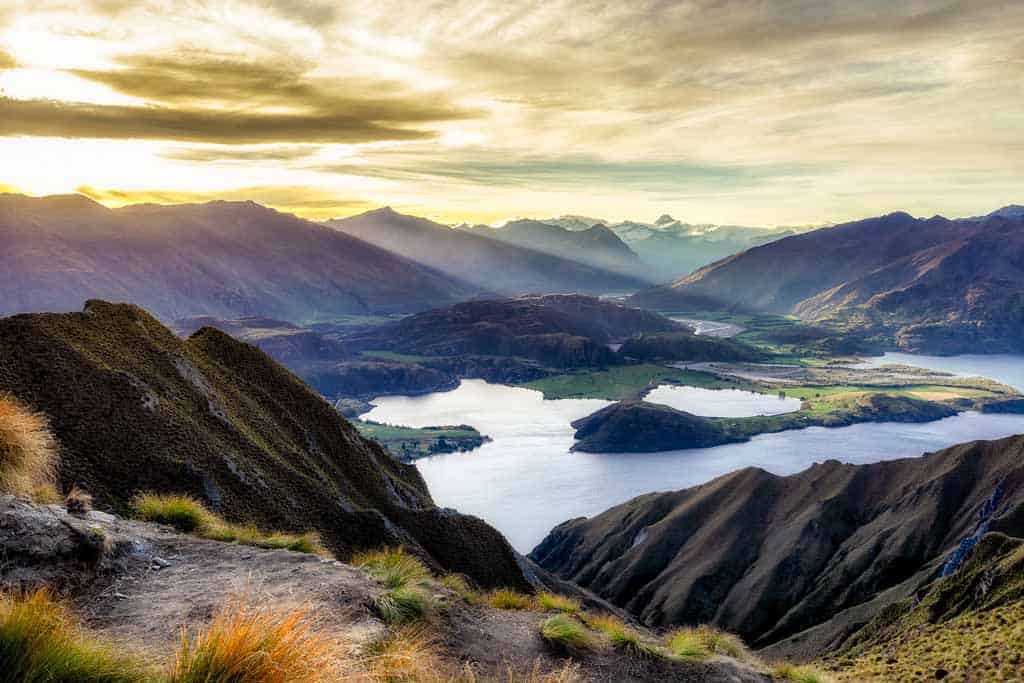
{"x":409,"y":443}
{"x":623,"y":382}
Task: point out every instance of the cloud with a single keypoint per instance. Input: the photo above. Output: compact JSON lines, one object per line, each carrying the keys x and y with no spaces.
{"x":304,"y":201}
{"x":51,"y":118}
{"x":241,"y":154}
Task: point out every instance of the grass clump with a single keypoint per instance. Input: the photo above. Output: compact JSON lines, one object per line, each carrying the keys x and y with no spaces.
{"x":78,"y":502}
{"x":393,"y":567}
{"x":247,"y":645}
{"x":406,"y":577}
{"x":622,"y":637}
{"x":405,"y":604}
{"x":28,"y":452}
{"x":188,"y":515}
{"x":406,"y":654}
{"x":703,"y":641}
{"x":459,"y":584}
{"x":505,"y":598}
{"x":552,"y":602}
{"x":184,"y":513}
{"x":565,"y":633}
{"x":799,"y":673}
{"x":41,"y":643}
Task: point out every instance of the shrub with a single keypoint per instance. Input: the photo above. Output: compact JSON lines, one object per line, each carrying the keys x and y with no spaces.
{"x":504,"y":598}
{"x":40,"y":642}
{"x":393,"y":567}
{"x":28,"y":452}
{"x":565,"y":633}
{"x":246,"y":645}
{"x":550,"y":602}
{"x":799,"y":674}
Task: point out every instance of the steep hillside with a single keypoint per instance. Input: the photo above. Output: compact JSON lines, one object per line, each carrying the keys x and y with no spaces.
{"x":596,"y":245}
{"x":923,"y":284}
{"x":490,"y":264}
{"x":136,"y":408}
{"x":145,"y":585}
{"x":555,"y":330}
{"x":226,"y":259}
{"x":802,"y":561}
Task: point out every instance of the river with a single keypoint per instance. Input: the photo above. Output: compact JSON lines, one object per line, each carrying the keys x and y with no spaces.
{"x":526,"y":480}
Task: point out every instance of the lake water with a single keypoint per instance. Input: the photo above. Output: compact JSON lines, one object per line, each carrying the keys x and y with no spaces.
{"x":1001,"y":367}
{"x":526,"y":480}
{"x":721,"y":402}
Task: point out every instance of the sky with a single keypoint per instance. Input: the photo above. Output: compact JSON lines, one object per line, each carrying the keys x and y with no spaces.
{"x":756,"y":112}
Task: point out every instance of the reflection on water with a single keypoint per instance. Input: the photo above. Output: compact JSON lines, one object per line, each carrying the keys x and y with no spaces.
{"x":526,"y":480}
{"x":721,"y":402}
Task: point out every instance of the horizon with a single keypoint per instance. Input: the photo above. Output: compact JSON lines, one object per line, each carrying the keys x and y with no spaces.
{"x":739,"y":113}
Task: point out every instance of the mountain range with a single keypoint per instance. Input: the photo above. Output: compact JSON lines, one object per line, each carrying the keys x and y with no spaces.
{"x":226,"y":259}
{"x":670,"y":248}
{"x":928,"y":285}
{"x":506,"y":268}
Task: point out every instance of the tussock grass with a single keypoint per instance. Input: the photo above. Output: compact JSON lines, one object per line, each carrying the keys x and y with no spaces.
{"x":246,"y":645}
{"x":505,"y":598}
{"x":406,"y":655}
{"x":393,"y":567}
{"x":551,"y":602}
{"x":799,"y":674}
{"x":621,"y":636}
{"x":461,"y":586}
{"x":408,"y":598}
{"x":28,"y":452}
{"x":41,"y":643}
{"x":565,"y":633}
{"x":704,"y":641}
{"x":188,"y":515}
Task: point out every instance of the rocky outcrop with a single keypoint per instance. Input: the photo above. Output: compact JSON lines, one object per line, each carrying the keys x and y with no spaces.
{"x":816,"y":554}
{"x":136,"y":408}
{"x":639,"y":427}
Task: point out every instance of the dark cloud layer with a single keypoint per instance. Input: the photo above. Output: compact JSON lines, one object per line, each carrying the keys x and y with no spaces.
{"x":77,"y":120}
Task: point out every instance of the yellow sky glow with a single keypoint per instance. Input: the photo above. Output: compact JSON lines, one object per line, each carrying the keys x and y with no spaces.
{"x":746,"y":112}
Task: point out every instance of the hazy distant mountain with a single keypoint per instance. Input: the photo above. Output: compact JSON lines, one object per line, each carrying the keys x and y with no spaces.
{"x":669,"y":248}
{"x":226,"y":259}
{"x":932,"y":284}
{"x":596,"y":245}
{"x":489,"y":263}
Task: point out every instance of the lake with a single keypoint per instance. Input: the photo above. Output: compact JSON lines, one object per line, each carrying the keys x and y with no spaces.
{"x":721,"y":402}
{"x":526,"y":480}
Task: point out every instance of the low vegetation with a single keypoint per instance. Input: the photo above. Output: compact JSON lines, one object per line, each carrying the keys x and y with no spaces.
{"x":188,"y":515}
{"x":565,"y":633}
{"x":409,"y":443}
{"x":552,"y":602}
{"x":504,"y":598}
{"x":408,"y":598}
{"x":703,"y":641}
{"x":41,"y":643}
{"x":28,"y":452}
{"x":800,"y":674}
{"x":247,"y":645}
{"x":624,"y":382}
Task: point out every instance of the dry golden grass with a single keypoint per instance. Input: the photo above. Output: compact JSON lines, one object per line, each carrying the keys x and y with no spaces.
{"x":504,"y":598}
{"x":244,"y":644}
{"x":28,"y":452}
{"x":41,"y":642}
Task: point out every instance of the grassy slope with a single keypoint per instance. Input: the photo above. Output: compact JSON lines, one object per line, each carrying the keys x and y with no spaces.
{"x":625,"y":382}
{"x":969,"y":625}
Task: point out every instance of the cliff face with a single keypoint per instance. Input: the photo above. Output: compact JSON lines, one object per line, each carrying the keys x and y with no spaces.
{"x":817,"y":553}
{"x":136,"y":408}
